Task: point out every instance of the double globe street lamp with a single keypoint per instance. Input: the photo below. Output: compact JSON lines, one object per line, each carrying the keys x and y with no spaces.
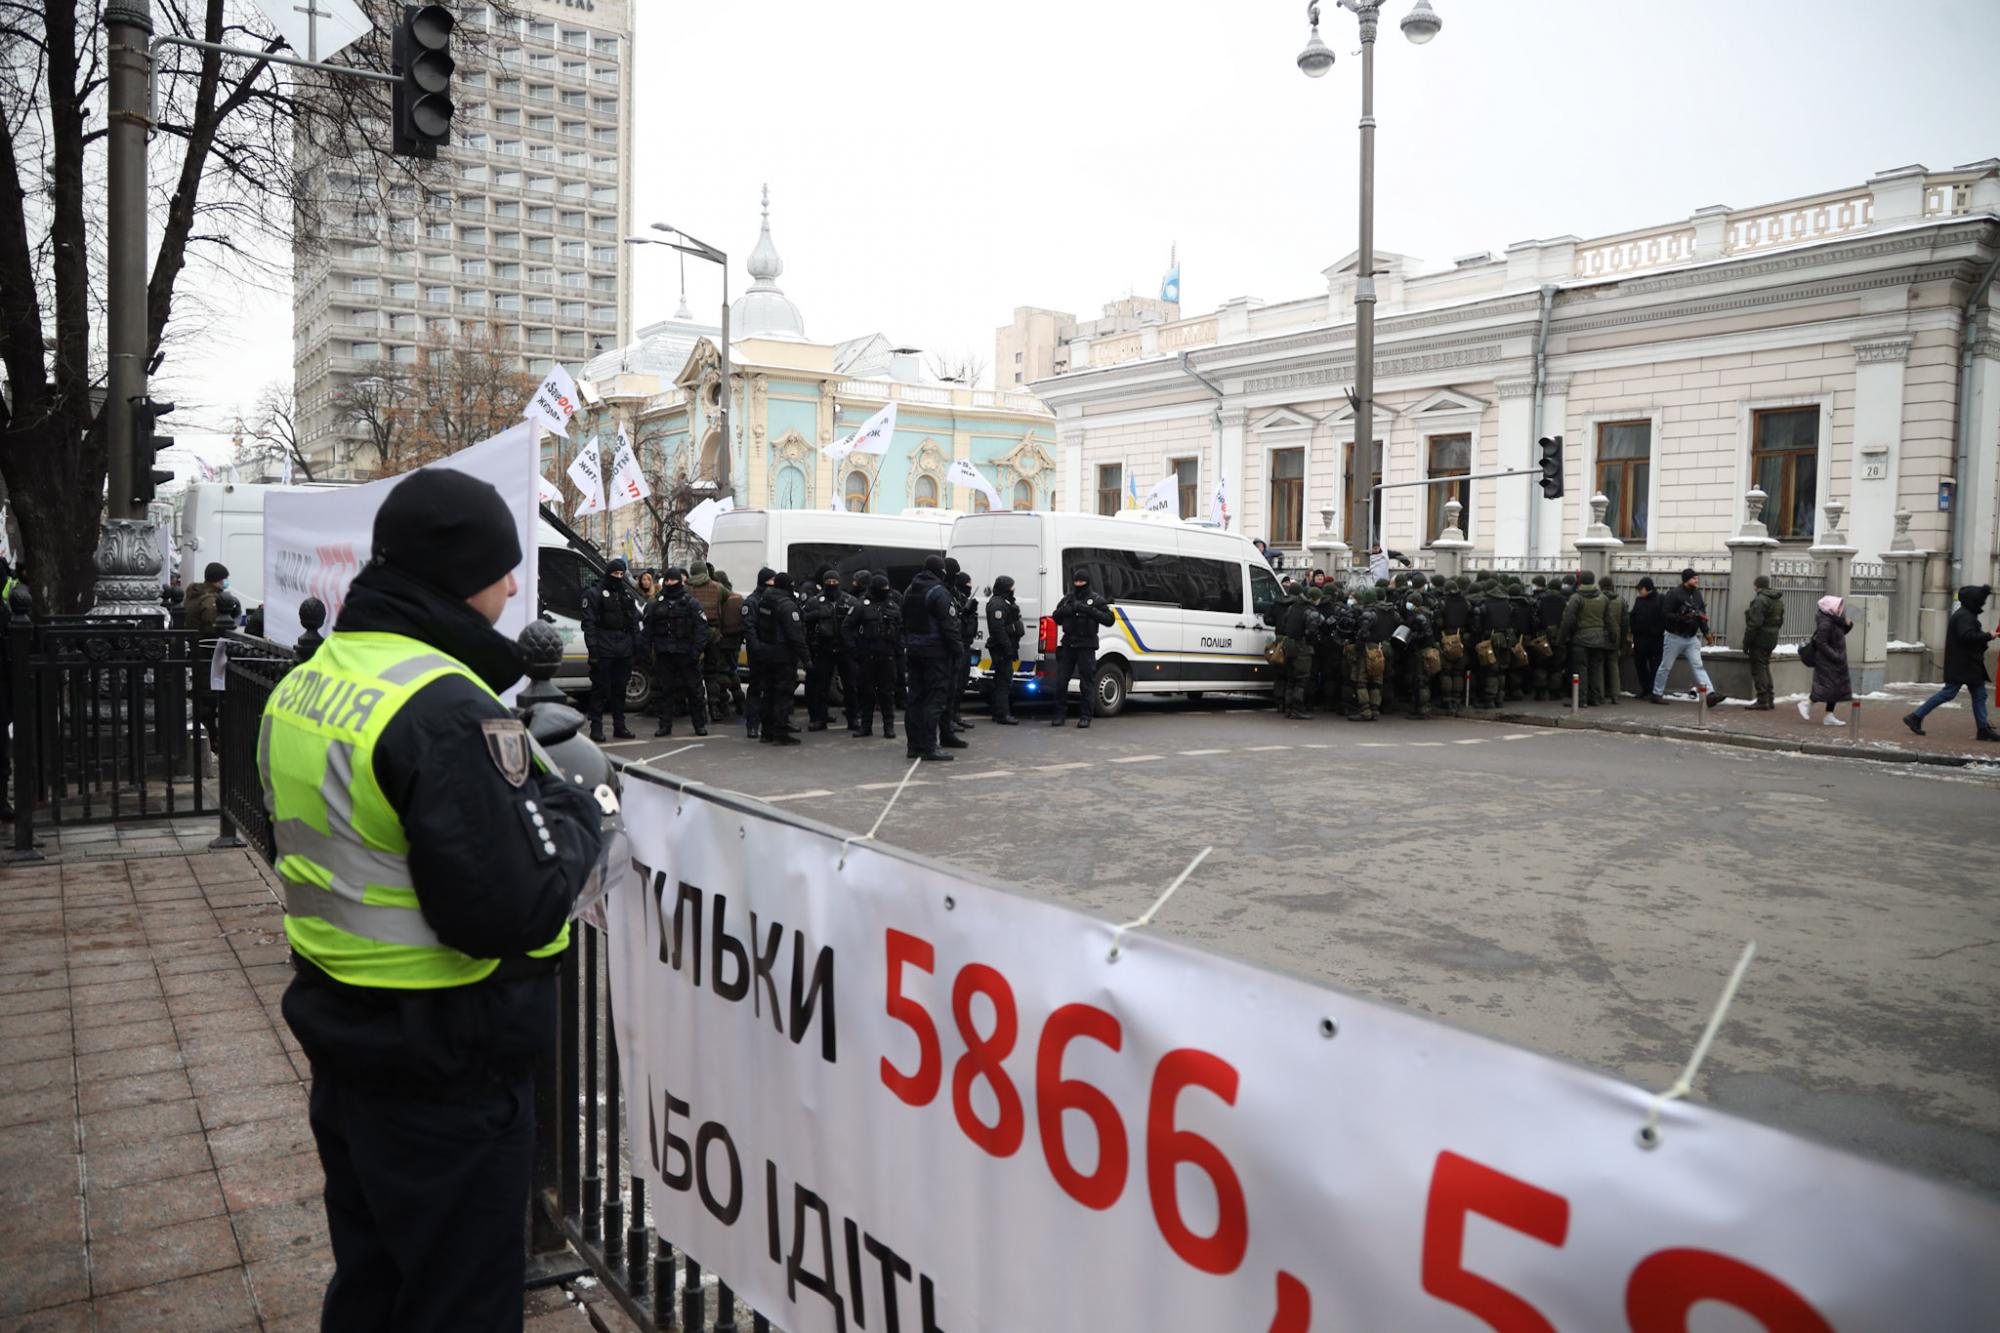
{"x":1419,"y":25}
{"x":688,"y":245}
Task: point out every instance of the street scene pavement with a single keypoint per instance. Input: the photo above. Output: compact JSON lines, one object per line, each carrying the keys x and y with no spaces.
{"x":1579,"y":893}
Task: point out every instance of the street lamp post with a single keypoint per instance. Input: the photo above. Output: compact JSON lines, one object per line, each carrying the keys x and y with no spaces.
{"x":688,"y":245}
{"x":1419,"y":25}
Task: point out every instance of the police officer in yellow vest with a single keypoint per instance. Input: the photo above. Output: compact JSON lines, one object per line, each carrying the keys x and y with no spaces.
{"x":429,"y":867}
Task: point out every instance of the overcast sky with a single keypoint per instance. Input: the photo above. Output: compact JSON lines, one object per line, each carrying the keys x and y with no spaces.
{"x":932,"y":166}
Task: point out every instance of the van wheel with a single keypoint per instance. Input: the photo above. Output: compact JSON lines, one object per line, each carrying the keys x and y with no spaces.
{"x":1109,"y":689}
{"x":638,"y":692}
{"x":1195,"y":696}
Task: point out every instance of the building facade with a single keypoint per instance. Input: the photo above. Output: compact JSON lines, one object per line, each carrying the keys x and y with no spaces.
{"x":514,"y":236}
{"x":1819,"y":349}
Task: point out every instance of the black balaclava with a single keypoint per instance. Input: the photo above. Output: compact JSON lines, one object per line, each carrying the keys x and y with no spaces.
{"x":962,"y":581}
{"x":934,"y":564}
{"x":448,"y":529}
{"x":951,"y":566}
{"x":616,"y":567}
{"x":784,"y":580}
{"x":1004,"y":586}
{"x":765,"y":575}
{"x":831,"y":579}
{"x":878,"y":587}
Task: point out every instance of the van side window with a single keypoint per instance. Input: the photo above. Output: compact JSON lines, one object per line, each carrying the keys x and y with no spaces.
{"x":900,"y":563}
{"x":1211,"y":585}
{"x":1188,"y":582}
{"x":559,"y":581}
{"x":1263,"y":589}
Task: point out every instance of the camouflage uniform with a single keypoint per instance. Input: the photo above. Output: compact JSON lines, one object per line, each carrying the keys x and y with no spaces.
{"x":1364,"y":688}
{"x":1616,"y":617}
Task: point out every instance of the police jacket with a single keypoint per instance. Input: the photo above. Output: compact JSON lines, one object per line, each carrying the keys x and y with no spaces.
{"x":1686,"y":611}
{"x":675,"y":625}
{"x":777,"y":629}
{"x":1004,"y":630}
{"x":1549,"y":610}
{"x":930,"y":619}
{"x":748,"y":616}
{"x":1521,"y":608}
{"x":611,"y":620}
{"x":1379,"y":623}
{"x":1456,"y":612}
{"x":968,"y":617}
{"x":873,"y":628}
{"x":484,"y":879}
{"x":825,"y":611}
{"x":1585,"y":620}
{"x":1496,"y":613}
{"x":1078,"y":617}
{"x":1295,"y":619}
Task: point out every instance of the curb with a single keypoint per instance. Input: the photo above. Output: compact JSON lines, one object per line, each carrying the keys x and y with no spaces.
{"x":1768,"y":743}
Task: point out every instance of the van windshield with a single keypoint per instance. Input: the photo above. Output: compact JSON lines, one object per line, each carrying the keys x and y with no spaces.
{"x":900,"y":563}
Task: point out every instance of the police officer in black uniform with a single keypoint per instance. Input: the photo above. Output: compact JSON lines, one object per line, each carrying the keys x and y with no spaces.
{"x":825,"y":612}
{"x":422,"y":1100}
{"x":968,"y":630}
{"x":1004,"y":632}
{"x":873,"y":634}
{"x":610,"y":636}
{"x":778,"y":656}
{"x":1078,"y":616}
{"x":931,"y":644}
{"x":677,"y":632}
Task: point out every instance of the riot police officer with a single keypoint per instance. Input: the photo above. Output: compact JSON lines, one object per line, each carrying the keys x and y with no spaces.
{"x":874,"y":637}
{"x":1004,"y":632}
{"x":677,"y":632}
{"x":968,"y":630}
{"x":825,"y":612}
{"x":931,"y":644}
{"x":1078,"y":617}
{"x":390,"y":762}
{"x":778,"y":656}
{"x":610,"y":635}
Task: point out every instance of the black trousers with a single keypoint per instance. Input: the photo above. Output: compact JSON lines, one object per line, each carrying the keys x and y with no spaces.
{"x":608,"y":676}
{"x":1082,"y":664}
{"x":1001,"y":700}
{"x":819,"y":682}
{"x":960,"y":683}
{"x":928,"y":680}
{"x":425,"y":1205}
{"x":1646,"y":663}
{"x":777,"y":681}
{"x":874,"y":690}
{"x":678,"y":681}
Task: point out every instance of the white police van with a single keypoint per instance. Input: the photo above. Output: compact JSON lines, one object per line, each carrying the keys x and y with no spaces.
{"x":1188,"y":600}
{"x":803,"y":541}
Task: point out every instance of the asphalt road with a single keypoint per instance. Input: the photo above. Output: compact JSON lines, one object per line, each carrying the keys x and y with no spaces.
{"x":1582,"y":894}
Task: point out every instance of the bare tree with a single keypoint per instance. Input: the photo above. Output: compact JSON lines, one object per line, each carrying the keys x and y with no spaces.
{"x":225,"y":178}
{"x":375,"y":402}
{"x":459,"y":392}
{"x":963,"y":366}
{"x":276,"y":429}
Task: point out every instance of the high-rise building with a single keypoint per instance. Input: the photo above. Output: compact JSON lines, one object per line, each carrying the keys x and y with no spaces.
{"x":515,"y":236}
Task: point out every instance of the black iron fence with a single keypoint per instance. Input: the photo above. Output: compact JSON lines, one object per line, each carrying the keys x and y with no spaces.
{"x":588,"y":1208}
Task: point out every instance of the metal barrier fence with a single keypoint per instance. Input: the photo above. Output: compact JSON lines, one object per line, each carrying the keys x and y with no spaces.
{"x":111,"y":721}
{"x":587,"y":1208}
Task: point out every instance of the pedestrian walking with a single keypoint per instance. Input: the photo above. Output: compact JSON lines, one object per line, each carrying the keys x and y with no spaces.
{"x":611,"y":637}
{"x":198,"y":608}
{"x":1826,"y":654}
{"x":874,"y":636}
{"x":931,"y":645}
{"x":676,"y":632}
{"x":1078,"y":617}
{"x":424,"y":1005}
{"x":1004,"y":632}
{"x":1685,"y":612}
{"x":1648,"y":628}
{"x":1762,"y":621}
{"x":1965,"y":645}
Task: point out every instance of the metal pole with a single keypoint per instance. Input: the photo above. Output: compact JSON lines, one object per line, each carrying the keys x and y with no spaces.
{"x":1364,"y":280}
{"x":725,"y":484}
{"x":127,"y":25}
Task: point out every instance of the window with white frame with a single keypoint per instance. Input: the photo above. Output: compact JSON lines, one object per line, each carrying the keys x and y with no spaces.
{"x":1624,"y":466}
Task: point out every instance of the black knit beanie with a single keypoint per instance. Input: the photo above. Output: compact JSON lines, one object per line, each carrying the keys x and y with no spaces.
{"x":448,"y":529}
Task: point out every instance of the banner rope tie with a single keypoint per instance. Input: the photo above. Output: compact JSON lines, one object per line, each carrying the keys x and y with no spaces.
{"x":1146,"y":918}
{"x":869,"y":836}
{"x":1649,"y":1133}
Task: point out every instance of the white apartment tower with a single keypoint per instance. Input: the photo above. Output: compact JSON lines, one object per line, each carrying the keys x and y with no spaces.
{"x":517,"y":235}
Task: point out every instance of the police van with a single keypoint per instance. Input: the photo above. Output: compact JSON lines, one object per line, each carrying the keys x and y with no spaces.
{"x":1188,"y":600}
{"x":803,"y":541}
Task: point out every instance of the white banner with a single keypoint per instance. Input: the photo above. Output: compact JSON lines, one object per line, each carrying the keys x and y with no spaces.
{"x":554,"y":401}
{"x":628,"y":483}
{"x":1165,"y":497}
{"x":855,"y":1080}
{"x":876,"y":433}
{"x":1219,"y":510}
{"x":963,"y":473}
{"x":315,"y":542}
{"x":840,"y":448}
{"x":586,"y":473}
{"x":547,"y":491}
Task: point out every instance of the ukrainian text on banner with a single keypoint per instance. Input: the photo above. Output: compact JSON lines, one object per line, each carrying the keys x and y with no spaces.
{"x":315,"y":542}
{"x":882,"y":1085}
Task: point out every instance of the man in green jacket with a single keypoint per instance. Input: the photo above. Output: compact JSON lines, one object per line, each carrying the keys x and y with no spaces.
{"x":1615,"y":618}
{"x":1762,"y":620}
{"x":1586,"y":630}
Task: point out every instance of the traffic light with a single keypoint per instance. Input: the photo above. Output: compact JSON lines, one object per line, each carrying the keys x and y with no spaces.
{"x":421,"y":110}
{"x":147,"y":443}
{"x":1552,"y":467}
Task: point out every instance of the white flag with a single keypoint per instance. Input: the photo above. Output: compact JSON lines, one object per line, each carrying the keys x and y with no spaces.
{"x":587,"y":472}
{"x":628,"y":483}
{"x":547,"y":490}
{"x":554,"y":402}
{"x":840,"y":448}
{"x":963,"y":473}
{"x":288,"y":467}
{"x":1220,"y":510}
{"x":876,"y":433}
{"x":1165,"y":498}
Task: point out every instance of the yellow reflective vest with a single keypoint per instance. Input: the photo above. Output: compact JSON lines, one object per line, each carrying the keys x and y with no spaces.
{"x":350,"y":905}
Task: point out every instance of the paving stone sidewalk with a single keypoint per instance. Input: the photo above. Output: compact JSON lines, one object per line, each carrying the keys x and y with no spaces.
{"x":156,"y":1167}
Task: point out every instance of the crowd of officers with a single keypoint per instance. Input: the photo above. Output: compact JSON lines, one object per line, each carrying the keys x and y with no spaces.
{"x":1438,"y":645}
{"x":891,"y":651}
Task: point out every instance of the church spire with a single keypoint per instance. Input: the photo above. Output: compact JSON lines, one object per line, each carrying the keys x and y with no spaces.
{"x":764,"y":310}
{"x":765,"y":264}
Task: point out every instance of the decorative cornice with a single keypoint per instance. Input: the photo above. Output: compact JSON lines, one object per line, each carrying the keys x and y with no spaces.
{"x":1515,"y":388}
{"x":1385,"y":326}
{"x":1344,"y":373}
{"x":1555,"y":386}
{"x":1753,"y":299}
{"x":1987,"y":349}
{"x":1882,"y":349}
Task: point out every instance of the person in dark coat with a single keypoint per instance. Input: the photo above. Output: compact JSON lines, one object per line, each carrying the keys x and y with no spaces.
{"x":677,"y":633}
{"x":611,"y":636}
{"x":1649,"y":632}
{"x":1965,"y":645}
{"x":1831,"y":684}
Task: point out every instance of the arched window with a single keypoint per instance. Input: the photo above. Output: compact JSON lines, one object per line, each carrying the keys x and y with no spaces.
{"x":980,"y":504}
{"x":926,"y":493}
{"x":856,"y":492}
{"x":1024,"y":495}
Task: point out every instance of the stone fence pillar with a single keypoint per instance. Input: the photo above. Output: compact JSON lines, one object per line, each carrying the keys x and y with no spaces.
{"x":1833,"y":552}
{"x":1451,"y":545}
{"x":1749,"y":557}
{"x":1596,"y":546}
{"x":1906,"y":566}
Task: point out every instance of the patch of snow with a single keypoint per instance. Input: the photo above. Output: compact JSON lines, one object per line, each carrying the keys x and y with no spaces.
{"x":1898,"y":646}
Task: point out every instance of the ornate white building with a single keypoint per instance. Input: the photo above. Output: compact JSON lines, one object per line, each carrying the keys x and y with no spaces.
{"x":1836,"y":350}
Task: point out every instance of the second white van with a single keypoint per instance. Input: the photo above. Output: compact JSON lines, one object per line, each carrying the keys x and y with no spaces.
{"x":1188,"y":600}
